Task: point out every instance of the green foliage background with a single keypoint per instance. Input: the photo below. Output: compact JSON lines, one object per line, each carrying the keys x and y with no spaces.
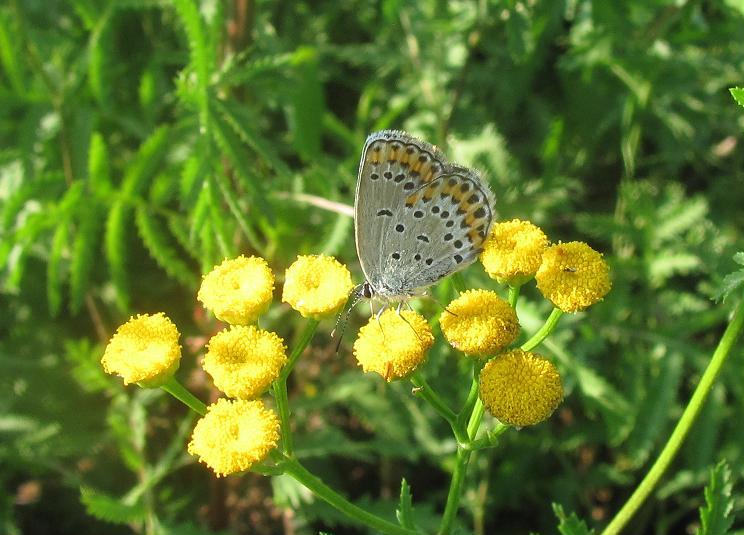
{"x":141,"y":142}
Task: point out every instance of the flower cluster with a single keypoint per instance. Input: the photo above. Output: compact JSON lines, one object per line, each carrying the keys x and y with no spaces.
{"x":242,"y":359}
{"x":517,"y":386}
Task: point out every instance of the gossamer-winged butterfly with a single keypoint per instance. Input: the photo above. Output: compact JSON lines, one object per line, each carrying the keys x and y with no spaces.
{"x":417,"y":217}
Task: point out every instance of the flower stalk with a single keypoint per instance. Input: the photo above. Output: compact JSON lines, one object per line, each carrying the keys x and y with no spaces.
{"x":280,"y":386}
{"x":177,"y":390}
{"x":683,"y":427}
{"x":294,"y":469}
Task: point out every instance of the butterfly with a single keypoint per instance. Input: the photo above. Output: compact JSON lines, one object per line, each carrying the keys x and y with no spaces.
{"x":417,"y":217}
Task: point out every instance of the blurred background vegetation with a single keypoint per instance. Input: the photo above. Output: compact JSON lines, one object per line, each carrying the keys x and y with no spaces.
{"x":141,"y":142}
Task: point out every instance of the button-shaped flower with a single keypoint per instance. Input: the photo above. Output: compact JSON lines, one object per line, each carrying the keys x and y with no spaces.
{"x":393,"y":345}
{"x":479,"y":323}
{"x":234,"y":435}
{"x":520,"y":388}
{"x":144,"y":350}
{"x":513,"y":251}
{"x":573,"y":276}
{"x":316,"y":286}
{"x":238,"y":290}
{"x":244,"y":360}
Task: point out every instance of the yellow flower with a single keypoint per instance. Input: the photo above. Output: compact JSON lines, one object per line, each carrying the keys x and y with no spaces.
{"x":520,"y":388}
{"x":234,"y":435}
{"x":573,"y":276}
{"x":144,"y":350}
{"x":238,"y":290}
{"x":244,"y":361}
{"x":394,"y":344}
{"x":316,"y":286}
{"x":513,"y":251}
{"x":479,"y":323}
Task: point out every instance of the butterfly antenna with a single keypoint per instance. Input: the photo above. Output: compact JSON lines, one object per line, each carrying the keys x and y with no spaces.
{"x":354,"y":297}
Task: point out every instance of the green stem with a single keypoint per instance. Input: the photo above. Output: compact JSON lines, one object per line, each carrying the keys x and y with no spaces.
{"x":467,"y":408}
{"x":177,"y":390}
{"x":489,"y":441}
{"x":461,"y":469}
{"x":294,"y":469}
{"x":514,"y":295}
{"x":438,"y":404}
{"x":683,"y":426}
{"x":302,"y":343}
{"x":280,"y":386}
{"x":544,"y":331}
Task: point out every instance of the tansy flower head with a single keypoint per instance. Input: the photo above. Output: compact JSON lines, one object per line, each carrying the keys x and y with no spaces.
{"x":244,"y":361}
{"x":394,"y":344}
{"x":573,"y":276}
{"x":234,"y":435}
{"x":144,"y":350}
{"x":520,"y":388}
{"x":479,"y":323}
{"x":316,"y":286}
{"x":238,"y":290}
{"x":513,"y":251}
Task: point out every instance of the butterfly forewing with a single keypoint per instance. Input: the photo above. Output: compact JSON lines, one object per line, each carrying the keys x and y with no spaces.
{"x":417,"y":218}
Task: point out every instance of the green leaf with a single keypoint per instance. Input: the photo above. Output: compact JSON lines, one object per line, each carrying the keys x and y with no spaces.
{"x":738,"y":94}
{"x":110,"y":509}
{"x":116,"y":251}
{"x":146,"y":161}
{"x":570,"y":524}
{"x":716,"y":515}
{"x":99,"y":175}
{"x":158,"y":244}
{"x":405,"y":508}
{"x":11,"y":56}
{"x":308,"y":105}
{"x":83,"y":253}
{"x":733,"y":281}
{"x":101,"y":59}
{"x":54,"y":275}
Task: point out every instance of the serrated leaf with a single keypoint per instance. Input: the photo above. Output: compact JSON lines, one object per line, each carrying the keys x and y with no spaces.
{"x":100,"y":59}
{"x":159,"y":247}
{"x":83,"y":254}
{"x":54,"y":265}
{"x":570,"y":524}
{"x":716,"y":515}
{"x":733,"y":281}
{"x":116,"y":253}
{"x":404,"y":512}
{"x":98,"y":164}
{"x":738,"y":94}
{"x":308,"y":105}
{"x":110,"y":509}
{"x":146,"y":161}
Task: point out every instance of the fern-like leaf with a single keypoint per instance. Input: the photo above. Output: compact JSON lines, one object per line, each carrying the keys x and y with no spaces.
{"x":146,"y":162}
{"x":405,"y":506}
{"x":733,"y":280}
{"x":157,"y":243}
{"x":715,"y":515}
{"x":116,"y":226}
{"x":83,"y":253}
{"x":100,"y":60}
{"x":110,"y":509}
{"x":570,"y":524}
{"x":738,"y":94}
{"x":99,"y":176}
{"x":54,"y":268}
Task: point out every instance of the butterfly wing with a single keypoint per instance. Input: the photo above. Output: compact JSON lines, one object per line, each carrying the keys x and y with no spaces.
{"x":449,"y":220}
{"x":417,"y":218}
{"x":393,"y":164}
